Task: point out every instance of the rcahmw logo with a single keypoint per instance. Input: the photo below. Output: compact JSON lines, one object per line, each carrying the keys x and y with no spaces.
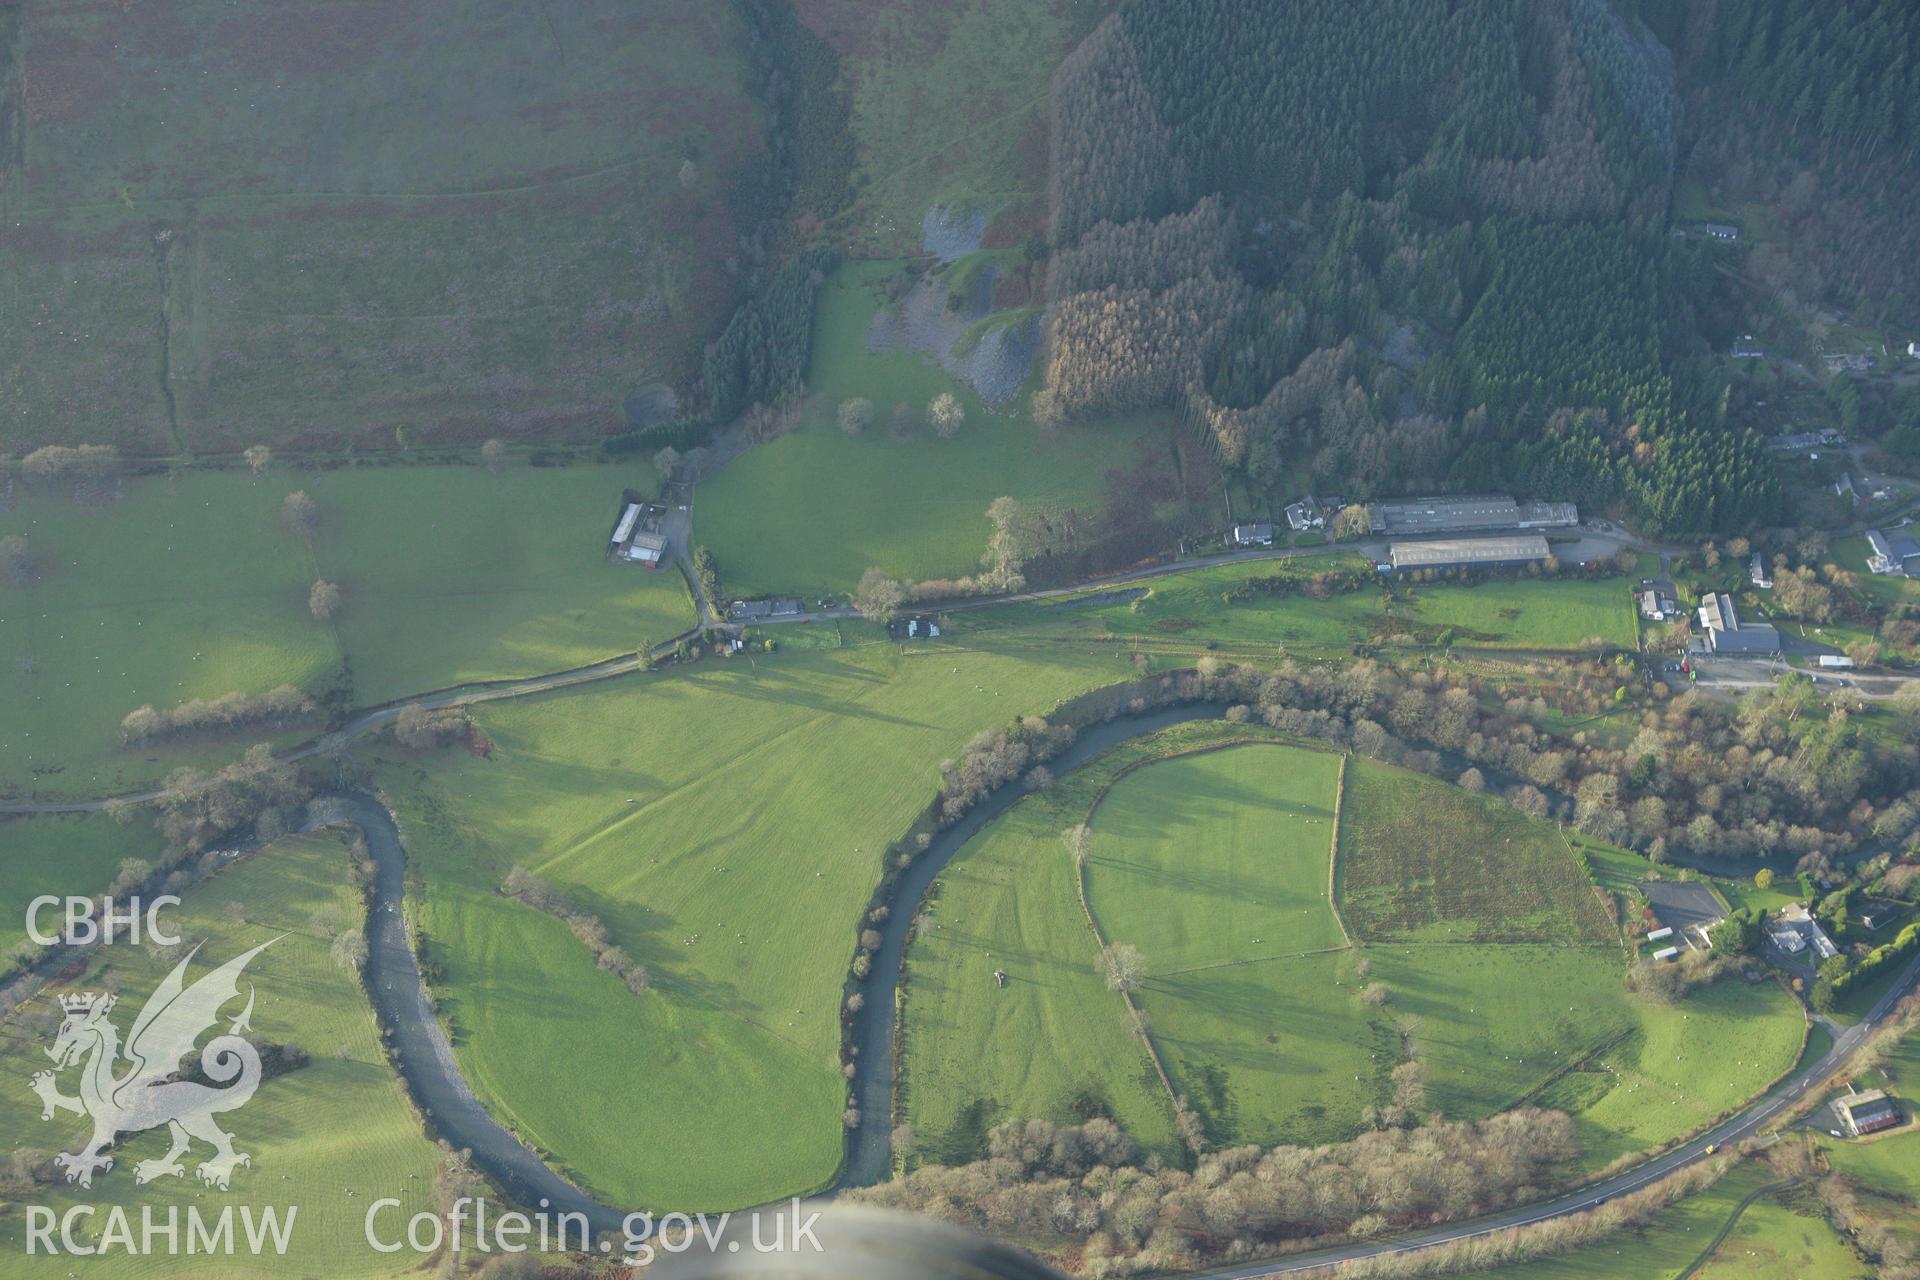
{"x":147,"y":1093}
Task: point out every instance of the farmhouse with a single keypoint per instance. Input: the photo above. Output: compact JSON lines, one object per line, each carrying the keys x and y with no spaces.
{"x":1657,"y":605}
{"x":1447,"y":553}
{"x":1843,"y":488}
{"x":1466,"y":515}
{"x":1251,"y":535}
{"x":1795,"y":930}
{"x":1727,"y":636}
{"x":1868,"y":1112}
{"x":1913,"y":349}
{"x":1304,"y":515}
{"x":1893,"y":551}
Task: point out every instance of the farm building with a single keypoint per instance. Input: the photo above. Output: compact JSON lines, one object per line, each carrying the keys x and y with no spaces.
{"x":1721,"y":230}
{"x":1913,"y":349}
{"x":1747,"y":349}
{"x":1448,"y":553}
{"x":1843,"y":488}
{"x":1726,"y":635}
{"x":759,"y":610}
{"x":1893,"y":551}
{"x":1876,"y":914}
{"x":1666,"y":953}
{"x":1868,"y":1112}
{"x":1251,"y":535}
{"x":1757,"y":573}
{"x":645,"y":549}
{"x":1466,"y":515}
{"x":1665,"y":931}
{"x":1827,"y":438}
{"x":628,"y":518}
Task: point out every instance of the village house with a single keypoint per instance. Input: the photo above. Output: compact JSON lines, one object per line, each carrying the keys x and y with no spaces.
{"x":1893,"y":551}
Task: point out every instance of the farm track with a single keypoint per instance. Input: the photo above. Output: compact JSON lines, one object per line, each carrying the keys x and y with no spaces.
{"x":1733,"y":1220}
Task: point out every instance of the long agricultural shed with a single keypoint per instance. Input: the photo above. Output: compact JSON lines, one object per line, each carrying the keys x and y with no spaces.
{"x":1442,"y":553}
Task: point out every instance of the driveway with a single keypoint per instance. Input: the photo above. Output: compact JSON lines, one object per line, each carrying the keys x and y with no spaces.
{"x":1680,"y":905}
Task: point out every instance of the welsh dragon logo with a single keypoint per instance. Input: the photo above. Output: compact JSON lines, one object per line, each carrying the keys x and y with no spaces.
{"x":149,"y":1093}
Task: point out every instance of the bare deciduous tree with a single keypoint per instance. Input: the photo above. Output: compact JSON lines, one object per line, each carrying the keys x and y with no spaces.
{"x":493,"y":456}
{"x":16,"y":561}
{"x":259,"y":458}
{"x":856,"y":415}
{"x":324,"y":599}
{"x":1122,"y":966}
{"x":301,"y":514}
{"x":945,"y":415}
{"x":878,"y":594}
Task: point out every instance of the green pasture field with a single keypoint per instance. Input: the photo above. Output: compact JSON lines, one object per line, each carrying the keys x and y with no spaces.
{"x":726,"y":822}
{"x":971,"y":1047}
{"x":1009,"y":901}
{"x":190,"y":587}
{"x":1425,"y":861}
{"x":1216,"y":866}
{"x":1680,"y":1066}
{"x":1769,"y":1241}
{"x":1531,"y":614}
{"x":529,"y":210}
{"x":1283,"y":1049}
{"x":330,"y":1137}
{"x":187,"y":588}
{"x":62,"y":854}
{"x":1890,"y":1164}
{"x":809,"y":512}
{"x":1194,"y":858}
{"x":982,"y":72}
{"x":497,"y":576}
{"x":1784,"y":1237}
